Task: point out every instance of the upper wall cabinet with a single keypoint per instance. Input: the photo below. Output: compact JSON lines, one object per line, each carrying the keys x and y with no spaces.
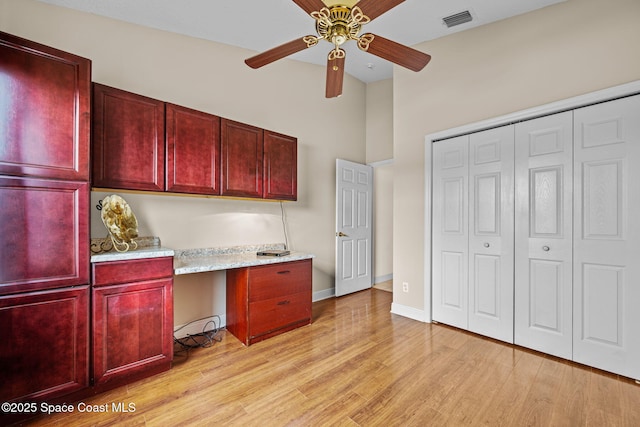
{"x":242,"y":151}
{"x":128,"y":140}
{"x":193,"y":151}
{"x":280,"y":166}
{"x":141,"y":143}
{"x":44,"y":125}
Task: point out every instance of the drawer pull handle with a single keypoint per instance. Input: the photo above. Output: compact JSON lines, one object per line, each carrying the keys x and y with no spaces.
{"x":285,"y":302}
{"x":284,"y":272}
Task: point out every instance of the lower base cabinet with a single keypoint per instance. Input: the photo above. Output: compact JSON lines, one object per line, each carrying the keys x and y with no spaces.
{"x":267,"y":300}
{"x":44,"y":350}
{"x":132,"y":310}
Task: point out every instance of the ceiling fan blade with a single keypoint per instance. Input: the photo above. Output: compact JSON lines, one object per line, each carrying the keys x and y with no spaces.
{"x":335,"y":76}
{"x":395,"y":52}
{"x":310,"y":5}
{"x":375,"y":8}
{"x":279,"y":52}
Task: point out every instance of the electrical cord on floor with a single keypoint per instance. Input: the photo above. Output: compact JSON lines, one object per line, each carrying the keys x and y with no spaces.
{"x":204,"y":339}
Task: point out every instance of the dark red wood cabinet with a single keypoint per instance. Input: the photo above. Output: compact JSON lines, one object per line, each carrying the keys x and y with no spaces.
{"x":242,"y":149}
{"x":127,"y":140}
{"x":193,"y":151}
{"x":132,"y":312}
{"x":141,"y":143}
{"x":44,"y":350}
{"x":44,"y":234}
{"x":280,"y":165}
{"x":44,"y":231}
{"x":44,"y":111}
{"x":267,"y":300}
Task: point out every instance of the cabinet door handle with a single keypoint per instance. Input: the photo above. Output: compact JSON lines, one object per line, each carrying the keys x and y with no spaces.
{"x":285,"y":302}
{"x":284,"y":272}
{"x":546,"y":248}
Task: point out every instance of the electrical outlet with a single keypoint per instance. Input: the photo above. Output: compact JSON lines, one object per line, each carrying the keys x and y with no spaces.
{"x":405,"y":287}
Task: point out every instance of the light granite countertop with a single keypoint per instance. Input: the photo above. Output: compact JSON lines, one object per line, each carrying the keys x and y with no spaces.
{"x":186,"y":261}
{"x":213,"y":259}
{"x":148,"y":247}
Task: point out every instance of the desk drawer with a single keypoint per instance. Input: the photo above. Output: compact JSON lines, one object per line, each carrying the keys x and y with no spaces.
{"x":275,"y":313}
{"x":114,"y":272}
{"x":279,"y":280}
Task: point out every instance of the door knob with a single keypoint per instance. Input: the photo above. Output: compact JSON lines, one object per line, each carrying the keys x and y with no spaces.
{"x":546,"y":248}
{"x":341,"y":234}
{"x":486,"y":245}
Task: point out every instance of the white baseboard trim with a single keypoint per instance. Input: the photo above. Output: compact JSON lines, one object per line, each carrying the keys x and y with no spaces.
{"x":410,"y":312}
{"x":325,"y":294}
{"x":197,"y":326}
{"x":384,"y":278}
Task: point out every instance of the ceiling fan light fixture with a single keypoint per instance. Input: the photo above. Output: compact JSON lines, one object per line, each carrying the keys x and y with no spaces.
{"x":337,"y":24}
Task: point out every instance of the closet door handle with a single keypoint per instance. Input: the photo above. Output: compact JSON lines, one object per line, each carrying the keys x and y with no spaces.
{"x":546,"y":248}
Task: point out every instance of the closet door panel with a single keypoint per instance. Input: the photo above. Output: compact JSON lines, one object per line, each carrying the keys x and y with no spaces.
{"x":450,"y":234}
{"x":607,"y":236}
{"x":491,"y":172}
{"x":543,"y":241}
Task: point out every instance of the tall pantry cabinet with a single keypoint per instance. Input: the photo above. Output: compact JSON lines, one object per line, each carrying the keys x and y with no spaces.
{"x":44,"y":232}
{"x":575,"y":284}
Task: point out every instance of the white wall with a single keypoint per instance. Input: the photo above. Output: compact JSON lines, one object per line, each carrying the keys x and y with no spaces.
{"x":287,"y":97}
{"x":554,"y":53}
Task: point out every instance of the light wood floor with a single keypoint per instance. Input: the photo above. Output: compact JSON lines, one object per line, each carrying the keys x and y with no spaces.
{"x":359,"y":365}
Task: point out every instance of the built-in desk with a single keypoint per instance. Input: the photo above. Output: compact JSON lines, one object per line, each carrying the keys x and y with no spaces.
{"x":214,"y":259}
{"x":265,"y":295}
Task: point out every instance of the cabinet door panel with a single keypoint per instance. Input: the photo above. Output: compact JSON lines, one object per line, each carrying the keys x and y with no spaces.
{"x":543,"y":220}
{"x":193,"y":151}
{"x":44,"y":350}
{"x":45,"y":111}
{"x":280,"y":166}
{"x":45,"y":234}
{"x":132,"y":328}
{"x":607,"y":236}
{"x":242,"y":149}
{"x":128,"y":140}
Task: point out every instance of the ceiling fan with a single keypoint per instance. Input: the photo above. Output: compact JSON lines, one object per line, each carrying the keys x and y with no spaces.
{"x":337,"y":24}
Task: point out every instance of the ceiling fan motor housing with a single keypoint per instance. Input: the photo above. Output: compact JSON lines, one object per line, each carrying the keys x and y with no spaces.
{"x":337,"y":25}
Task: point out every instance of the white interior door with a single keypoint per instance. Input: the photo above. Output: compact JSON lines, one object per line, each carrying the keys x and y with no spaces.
{"x":491,"y":231}
{"x":543,"y":243}
{"x":354,"y":228}
{"x":450,"y":253}
{"x":607,"y":236}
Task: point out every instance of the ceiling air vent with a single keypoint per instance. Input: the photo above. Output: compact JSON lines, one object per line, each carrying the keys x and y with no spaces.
{"x":457,"y":19}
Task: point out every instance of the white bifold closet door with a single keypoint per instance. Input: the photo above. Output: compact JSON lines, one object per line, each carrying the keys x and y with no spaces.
{"x":543,"y":234}
{"x":607,"y":236}
{"x":473,"y":232}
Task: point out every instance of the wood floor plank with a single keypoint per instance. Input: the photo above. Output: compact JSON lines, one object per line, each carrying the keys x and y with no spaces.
{"x":358,"y":364}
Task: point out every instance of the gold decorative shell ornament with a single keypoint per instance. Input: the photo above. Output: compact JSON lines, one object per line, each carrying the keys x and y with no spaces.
{"x":121,"y":223}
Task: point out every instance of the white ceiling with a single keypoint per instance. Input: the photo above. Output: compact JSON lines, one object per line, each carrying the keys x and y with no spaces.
{"x":262,"y":24}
